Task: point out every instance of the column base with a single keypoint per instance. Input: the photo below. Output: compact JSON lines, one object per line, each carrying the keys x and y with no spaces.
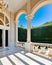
{"x":28,"y":46}
{"x":3,"y":47}
{"x":16,"y":43}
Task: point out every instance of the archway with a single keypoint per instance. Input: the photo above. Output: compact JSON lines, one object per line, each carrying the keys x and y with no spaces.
{"x":21,"y":24}
{"x":4,"y":30}
{"x":1,"y":23}
{"x":42,"y":23}
{"x":39,"y":5}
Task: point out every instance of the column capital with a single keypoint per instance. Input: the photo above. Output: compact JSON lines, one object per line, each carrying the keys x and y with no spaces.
{"x":28,"y":17}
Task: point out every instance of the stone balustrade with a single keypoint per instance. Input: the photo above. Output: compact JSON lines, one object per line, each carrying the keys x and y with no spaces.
{"x":42,"y":44}
{"x":21,"y":44}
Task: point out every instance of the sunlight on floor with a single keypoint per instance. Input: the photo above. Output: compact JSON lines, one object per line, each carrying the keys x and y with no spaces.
{"x":5,"y":61}
{"x":39,"y":58}
{"x":24,"y":58}
{"x":15,"y":60}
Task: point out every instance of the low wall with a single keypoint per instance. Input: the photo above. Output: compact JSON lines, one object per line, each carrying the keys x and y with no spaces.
{"x":42,"y":44}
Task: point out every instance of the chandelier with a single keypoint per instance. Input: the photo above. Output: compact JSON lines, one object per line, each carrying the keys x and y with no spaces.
{"x":3,"y":4}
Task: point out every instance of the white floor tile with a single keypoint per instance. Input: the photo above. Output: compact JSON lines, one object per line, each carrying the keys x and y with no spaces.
{"x":15,"y":60}
{"x":44,"y":61}
{"x":5,"y":61}
{"x":26,"y":59}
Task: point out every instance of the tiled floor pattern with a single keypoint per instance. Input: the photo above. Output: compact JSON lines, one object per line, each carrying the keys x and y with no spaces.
{"x":21,"y":57}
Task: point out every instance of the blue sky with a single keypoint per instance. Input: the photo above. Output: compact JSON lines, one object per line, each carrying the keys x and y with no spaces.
{"x":41,"y":16}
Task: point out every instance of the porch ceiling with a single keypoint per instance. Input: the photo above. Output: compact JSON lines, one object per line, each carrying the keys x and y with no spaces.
{"x":14,"y":5}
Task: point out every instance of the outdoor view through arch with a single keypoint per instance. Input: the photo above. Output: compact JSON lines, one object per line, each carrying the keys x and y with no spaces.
{"x":41,"y":25}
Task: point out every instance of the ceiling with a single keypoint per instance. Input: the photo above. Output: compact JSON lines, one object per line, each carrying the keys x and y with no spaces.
{"x":14,"y":5}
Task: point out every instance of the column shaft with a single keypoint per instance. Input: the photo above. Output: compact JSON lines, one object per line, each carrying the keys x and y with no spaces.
{"x":28,"y":30}
{"x":3,"y":38}
{"x":4,"y":33}
{"x":17,"y":32}
{"x":28,"y":22}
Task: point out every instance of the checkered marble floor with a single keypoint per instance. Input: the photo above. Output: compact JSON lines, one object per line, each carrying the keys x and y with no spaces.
{"x":22,"y":57}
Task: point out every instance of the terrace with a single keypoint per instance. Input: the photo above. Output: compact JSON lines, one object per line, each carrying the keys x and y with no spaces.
{"x":19,"y":56}
{"x":26,"y":32}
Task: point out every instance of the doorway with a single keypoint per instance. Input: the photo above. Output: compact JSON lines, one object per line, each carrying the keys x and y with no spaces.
{"x":0,"y":37}
{"x":6,"y":38}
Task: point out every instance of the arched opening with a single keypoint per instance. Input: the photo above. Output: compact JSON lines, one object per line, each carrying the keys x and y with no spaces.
{"x":39,"y":5}
{"x":21,"y":28}
{"x":4,"y":30}
{"x":1,"y":23}
{"x":41,"y":24}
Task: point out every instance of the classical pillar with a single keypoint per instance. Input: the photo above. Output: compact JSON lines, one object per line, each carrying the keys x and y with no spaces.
{"x":28,"y":22}
{"x":3,"y":38}
{"x":28,"y":43}
{"x":12,"y":30}
{"x":16,"y":33}
{"x":4,"y":33}
{"x":28,"y":29}
{"x":9,"y":34}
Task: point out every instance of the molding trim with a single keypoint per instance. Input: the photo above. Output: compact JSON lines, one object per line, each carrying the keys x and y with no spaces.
{"x":40,"y":4}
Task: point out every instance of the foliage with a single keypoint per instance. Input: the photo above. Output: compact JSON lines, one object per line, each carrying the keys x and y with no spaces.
{"x":22,"y":34}
{"x":41,"y":34}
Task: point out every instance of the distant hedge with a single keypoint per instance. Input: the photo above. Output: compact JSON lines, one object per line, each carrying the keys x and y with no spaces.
{"x":42,"y":34}
{"x":22,"y":34}
{"x":39,"y":34}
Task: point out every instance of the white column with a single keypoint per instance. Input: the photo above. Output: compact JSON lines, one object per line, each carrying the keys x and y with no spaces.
{"x":28,"y":44}
{"x":28,"y":29}
{"x":28,"y":22}
{"x":16,"y":32}
{"x":3,"y":38}
{"x":9,"y":34}
{"x":4,"y":33}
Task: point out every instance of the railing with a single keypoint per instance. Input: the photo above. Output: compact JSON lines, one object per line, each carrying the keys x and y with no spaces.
{"x":21,"y":44}
{"x":42,"y":44}
{"x":32,"y":45}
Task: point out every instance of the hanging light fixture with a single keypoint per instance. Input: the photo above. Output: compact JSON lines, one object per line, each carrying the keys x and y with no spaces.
{"x":3,"y":4}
